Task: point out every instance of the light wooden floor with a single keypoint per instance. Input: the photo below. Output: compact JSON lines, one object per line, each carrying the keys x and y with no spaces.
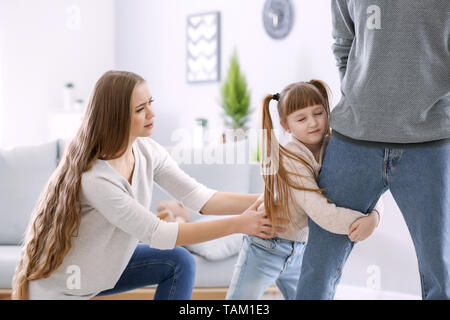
{"x":149,"y":293}
{"x":5,"y":294}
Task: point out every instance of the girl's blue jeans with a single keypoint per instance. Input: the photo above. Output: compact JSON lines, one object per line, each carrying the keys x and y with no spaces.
{"x":264,"y":262}
{"x":172,"y":270}
{"x":355,"y":175}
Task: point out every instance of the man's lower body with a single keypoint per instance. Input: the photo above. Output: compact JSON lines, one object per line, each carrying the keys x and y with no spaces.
{"x":355,"y":175}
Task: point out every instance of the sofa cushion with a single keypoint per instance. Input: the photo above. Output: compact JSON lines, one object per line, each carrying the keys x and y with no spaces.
{"x":24,"y":172}
{"x":9,"y":257}
{"x":218,"y":249}
{"x":214,"y":274}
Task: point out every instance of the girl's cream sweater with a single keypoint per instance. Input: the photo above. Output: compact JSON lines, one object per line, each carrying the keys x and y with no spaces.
{"x":311,"y":204}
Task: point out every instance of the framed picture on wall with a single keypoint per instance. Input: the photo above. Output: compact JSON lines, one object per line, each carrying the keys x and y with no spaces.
{"x":203,"y":47}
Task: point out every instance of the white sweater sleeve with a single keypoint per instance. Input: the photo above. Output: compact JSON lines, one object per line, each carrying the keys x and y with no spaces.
{"x":180,"y":185}
{"x":326,"y":214}
{"x":111,"y":200}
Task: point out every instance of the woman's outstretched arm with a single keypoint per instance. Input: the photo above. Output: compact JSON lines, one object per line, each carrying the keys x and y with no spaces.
{"x":250,"y":222}
{"x":193,"y":194}
{"x":227,"y":203}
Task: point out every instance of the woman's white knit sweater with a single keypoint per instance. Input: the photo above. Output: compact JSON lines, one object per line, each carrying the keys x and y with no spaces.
{"x":115,"y":217}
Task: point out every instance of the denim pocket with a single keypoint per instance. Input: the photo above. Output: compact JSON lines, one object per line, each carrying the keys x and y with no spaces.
{"x":268,"y":244}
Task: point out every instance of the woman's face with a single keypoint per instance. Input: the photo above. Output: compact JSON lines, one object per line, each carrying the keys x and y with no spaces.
{"x":142,"y":113}
{"x":308,"y":125}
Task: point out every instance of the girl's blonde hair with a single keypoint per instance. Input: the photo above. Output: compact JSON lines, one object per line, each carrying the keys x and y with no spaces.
{"x":104,"y":134}
{"x":294,"y":97}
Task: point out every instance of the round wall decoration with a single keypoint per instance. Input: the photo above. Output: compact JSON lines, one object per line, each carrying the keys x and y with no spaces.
{"x":278,"y":17}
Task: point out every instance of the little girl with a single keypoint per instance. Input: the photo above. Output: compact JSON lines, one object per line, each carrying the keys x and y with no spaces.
{"x":292,"y":194}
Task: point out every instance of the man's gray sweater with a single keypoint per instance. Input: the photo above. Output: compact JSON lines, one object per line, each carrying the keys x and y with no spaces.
{"x":394,"y":62}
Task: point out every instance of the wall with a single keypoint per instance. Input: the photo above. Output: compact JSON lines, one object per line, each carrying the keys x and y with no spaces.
{"x":42,"y":49}
{"x":151,"y":40}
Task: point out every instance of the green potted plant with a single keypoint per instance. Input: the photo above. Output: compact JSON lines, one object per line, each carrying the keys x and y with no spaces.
{"x":235,"y":97}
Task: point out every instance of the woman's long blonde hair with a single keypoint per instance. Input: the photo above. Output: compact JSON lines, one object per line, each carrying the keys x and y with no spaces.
{"x":104,"y":134}
{"x":294,"y":97}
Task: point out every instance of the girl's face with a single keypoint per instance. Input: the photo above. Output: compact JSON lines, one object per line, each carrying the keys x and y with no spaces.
{"x":308,"y":125}
{"x":142,"y":113}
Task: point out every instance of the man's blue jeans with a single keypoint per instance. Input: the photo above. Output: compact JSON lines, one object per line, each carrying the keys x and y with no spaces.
{"x":355,"y":174}
{"x":172,"y":270}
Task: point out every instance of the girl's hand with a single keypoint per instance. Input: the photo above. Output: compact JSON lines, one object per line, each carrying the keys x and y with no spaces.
{"x":363,"y":227}
{"x":255,"y":223}
{"x":177,"y":210}
{"x":166,"y":215}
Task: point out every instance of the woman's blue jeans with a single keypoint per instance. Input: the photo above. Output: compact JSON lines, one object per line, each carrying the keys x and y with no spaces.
{"x":355,"y":175}
{"x":172,"y":270}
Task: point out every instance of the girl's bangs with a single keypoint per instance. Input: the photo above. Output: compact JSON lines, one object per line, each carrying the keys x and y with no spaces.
{"x":301,"y":97}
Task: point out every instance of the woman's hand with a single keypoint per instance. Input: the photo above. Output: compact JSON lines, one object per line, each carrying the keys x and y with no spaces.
{"x":363,"y":227}
{"x":255,"y":223}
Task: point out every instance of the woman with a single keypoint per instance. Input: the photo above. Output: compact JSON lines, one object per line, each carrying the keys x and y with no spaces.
{"x":82,"y":240}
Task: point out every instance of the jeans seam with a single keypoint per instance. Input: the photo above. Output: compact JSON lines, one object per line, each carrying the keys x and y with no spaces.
{"x":149,"y":263}
{"x":424,"y":286}
{"x":173,"y":286}
{"x":336,"y":275}
{"x":378,"y":197}
{"x":242,"y":268}
{"x":283,"y":288}
{"x":384,"y":172}
{"x":286,"y":262}
{"x":174,"y":283}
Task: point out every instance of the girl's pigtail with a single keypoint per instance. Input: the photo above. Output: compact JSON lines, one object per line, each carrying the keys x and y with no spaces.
{"x":324,"y":90}
{"x":269,"y":154}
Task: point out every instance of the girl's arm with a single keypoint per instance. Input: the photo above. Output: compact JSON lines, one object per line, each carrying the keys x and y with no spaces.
{"x":227,"y":203}
{"x":326,"y":214}
{"x":363,"y":227}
